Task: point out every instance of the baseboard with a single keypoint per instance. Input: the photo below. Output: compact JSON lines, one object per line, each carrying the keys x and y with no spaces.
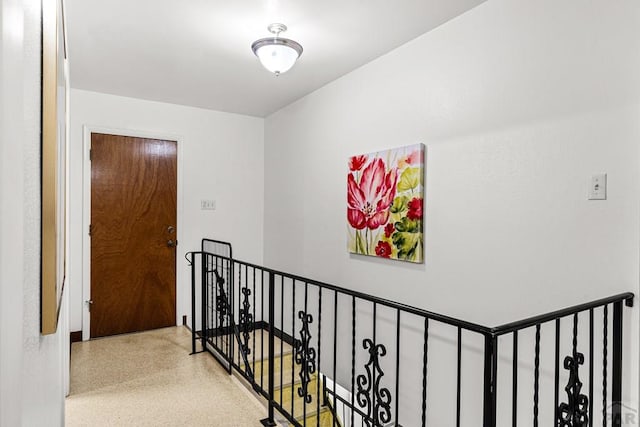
{"x":75,"y":336}
{"x":280,"y":334}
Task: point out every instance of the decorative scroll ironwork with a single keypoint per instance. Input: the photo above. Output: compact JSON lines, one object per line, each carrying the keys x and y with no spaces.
{"x":246,"y":321}
{"x":369,"y":387}
{"x":305,"y":356}
{"x":221,"y":300}
{"x":575,"y":412}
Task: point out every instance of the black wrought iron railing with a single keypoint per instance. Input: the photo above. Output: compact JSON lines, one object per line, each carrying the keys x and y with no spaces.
{"x":374,"y":362}
{"x":216,"y":311}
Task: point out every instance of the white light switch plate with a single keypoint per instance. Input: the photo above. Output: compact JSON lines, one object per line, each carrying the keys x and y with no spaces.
{"x":598,"y":187}
{"x":207,"y":205}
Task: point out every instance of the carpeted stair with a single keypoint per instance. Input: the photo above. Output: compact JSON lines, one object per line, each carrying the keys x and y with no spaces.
{"x":287,"y":383}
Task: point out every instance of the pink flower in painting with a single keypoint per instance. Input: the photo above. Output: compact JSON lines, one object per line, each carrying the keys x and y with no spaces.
{"x":415,"y":208}
{"x":368,"y":203}
{"x":415,"y":158}
{"x":388,"y":230}
{"x":383,"y":249}
{"x":356,"y":162}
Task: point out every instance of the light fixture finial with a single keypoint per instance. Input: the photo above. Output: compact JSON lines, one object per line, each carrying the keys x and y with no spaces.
{"x":277,"y":28}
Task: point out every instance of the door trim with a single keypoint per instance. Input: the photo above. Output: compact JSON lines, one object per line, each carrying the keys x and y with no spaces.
{"x":87,"y":130}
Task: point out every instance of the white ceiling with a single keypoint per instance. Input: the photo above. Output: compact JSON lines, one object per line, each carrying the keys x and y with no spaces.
{"x":197,"y":52}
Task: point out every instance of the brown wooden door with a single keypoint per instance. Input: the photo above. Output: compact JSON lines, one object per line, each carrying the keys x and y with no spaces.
{"x":133,"y":225}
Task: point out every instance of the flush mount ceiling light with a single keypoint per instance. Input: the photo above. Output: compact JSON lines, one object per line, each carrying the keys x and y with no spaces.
{"x":277,"y":54}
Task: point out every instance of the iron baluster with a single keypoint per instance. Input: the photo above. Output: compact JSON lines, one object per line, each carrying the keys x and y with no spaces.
{"x":616,"y":366}
{"x":514,"y":390}
{"x":305,"y":356}
{"x":424,"y":371}
{"x":536,"y":382}
{"x":373,"y":372}
{"x":573,"y":413}
{"x":240,"y":346}
{"x":335,"y":352}
{"x":221,"y":303}
{"x":490,"y":380}
{"x":353,"y":356}
{"x":193,"y":301}
{"x":253,"y":352}
{"x":270,"y":421}
{"x":459,"y":377}
{"x":231,"y":287}
{"x":375,"y":400}
{"x":213,"y":320}
{"x":213,"y":302}
{"x":605,"y":340}
{"x":556,"y":388}
{"x":246,"y":320}
{"x":203,"y":300}
{"x":591,"y":367}
{"x":225,"y":265}
{"x":397,"y":410}
{"x":304,"y":407}
{"x":494,"y":382}
{"x":281,"y":330}
{"x":319,"y":354}
{"x":293,"y":328}
{"x":262,"y":332}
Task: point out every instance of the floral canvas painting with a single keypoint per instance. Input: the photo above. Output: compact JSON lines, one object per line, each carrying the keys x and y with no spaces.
{"x":385,"y":200}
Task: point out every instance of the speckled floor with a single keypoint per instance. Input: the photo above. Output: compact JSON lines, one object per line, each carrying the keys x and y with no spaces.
{"x":149,"y":379}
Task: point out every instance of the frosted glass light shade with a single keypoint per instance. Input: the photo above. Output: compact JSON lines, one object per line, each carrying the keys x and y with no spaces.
{"x":277,"y":54}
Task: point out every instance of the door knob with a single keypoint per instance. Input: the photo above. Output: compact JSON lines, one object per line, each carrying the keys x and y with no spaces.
{"x":171,"y":229}
{"x":172,"y":243}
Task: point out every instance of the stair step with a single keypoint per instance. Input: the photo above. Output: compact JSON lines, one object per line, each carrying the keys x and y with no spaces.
{"x":259,"y":346}
{"x":289,"y":382}
{"x":326,"y":419}
{"x":290,"y":393}
{"x":281,"y":364}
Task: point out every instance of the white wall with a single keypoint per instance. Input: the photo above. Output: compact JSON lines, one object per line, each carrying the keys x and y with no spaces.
{"x":519,"y":102}
{"x":11,"y":208}
{"x":32,"y":367}
{"x":220,"y":156}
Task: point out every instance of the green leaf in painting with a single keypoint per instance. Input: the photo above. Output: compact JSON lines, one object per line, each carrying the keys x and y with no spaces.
{"x":408,"y":238}
{"x":409,"y":225}
{"x":359,"y":244}
{"x":407,"y":244}
{"x":400,"y":204}
{"x":409,"y":180}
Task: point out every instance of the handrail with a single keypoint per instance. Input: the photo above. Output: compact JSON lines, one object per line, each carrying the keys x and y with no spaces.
{"x":493,"y":332}
{"x":627,"y":297}
{"x":391,"y":304}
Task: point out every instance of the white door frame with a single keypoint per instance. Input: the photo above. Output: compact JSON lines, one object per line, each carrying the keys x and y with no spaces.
{"x":87,"y":130}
